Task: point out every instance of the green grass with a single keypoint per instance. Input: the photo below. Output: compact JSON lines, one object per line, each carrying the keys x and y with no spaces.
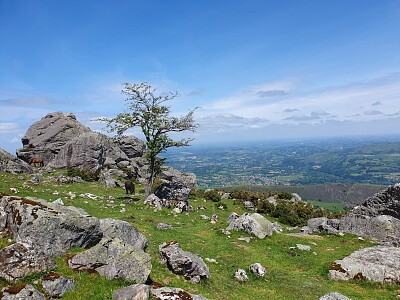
{"x":330,"y":206}
{"x":304,"y":276}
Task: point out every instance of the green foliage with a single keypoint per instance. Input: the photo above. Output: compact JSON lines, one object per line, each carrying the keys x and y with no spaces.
{"x":146,"y":109}
{"x":285,"y":195}
{"x":85,"y":174}
{"x":212,"y":195}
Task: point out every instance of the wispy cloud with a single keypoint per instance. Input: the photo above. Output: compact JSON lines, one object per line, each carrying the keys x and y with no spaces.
{"x":376,"y":103}
{"x":335,"y":101}
{"x":272,"y":93}
{"x":9,"y":127}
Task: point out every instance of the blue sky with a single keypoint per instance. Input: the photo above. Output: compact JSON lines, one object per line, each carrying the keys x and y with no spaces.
{"x":259,"y":70}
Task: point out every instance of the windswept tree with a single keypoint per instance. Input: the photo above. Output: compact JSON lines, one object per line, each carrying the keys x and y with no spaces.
{"x":147,"y":109}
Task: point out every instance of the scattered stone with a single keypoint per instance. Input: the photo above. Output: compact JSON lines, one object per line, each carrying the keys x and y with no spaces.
{"x":211,"y":260}
{"x":241,"y":276}
{"x":248,"y":205}
{"x":56,"y":286}
{"x":163,"y":226}
{"x":257,"y":269}
{"x":303,"y":247}
{"x":214,"y":218}
{"x":246,"y":239}
{"x":334,"y":296}
{"x":226,"y":232}
{"x":88,"y":195}
{"x":58,"y":201}
{"x":132,"y":292}
{"x":204,"y":217}
{"x":21,"y":292}
{"x":378,"y":264}
{"x":185,"y":263}
{"x":14,"y":190}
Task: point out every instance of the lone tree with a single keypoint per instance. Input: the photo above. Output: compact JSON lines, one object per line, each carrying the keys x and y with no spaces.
{"x":147,"y":109}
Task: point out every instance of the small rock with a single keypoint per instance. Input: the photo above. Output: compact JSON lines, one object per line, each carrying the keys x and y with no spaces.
{"x":211,"y":260}
{"x":246,"y":239}
{"x":257,"y":269}
{"x":132,"y":292}
{"x":163,"y":226}
{"x":57,"y":286}
{"x":58,"y":201}
{"x":303,"y":247}
{"x":334,"y":296}
{"x":240,"y":275}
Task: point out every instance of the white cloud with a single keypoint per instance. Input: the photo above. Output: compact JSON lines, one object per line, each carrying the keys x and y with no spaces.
{"x":339,"y":102}
{"x":9,"y":127}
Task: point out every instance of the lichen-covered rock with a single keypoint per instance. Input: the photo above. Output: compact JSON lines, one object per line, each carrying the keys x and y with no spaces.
{"x":254,"y":224}
{"x":334,"y":296}
{"x":112,"y":228}
{"x":185,"y":263}
{"x":21,"y":292}
{"x":114,"y":259}
{"x":19,"y":260}
{"x":132,"y":292}
{"x":49,"y":228}
{"x":56,"y":286}
{"x":173,"y":190}
{"x":378,"y":264}
{"x":168,"y":293}
{"x":10,"y":163}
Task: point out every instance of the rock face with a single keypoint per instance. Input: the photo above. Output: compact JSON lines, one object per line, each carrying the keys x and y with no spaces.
{"x":12,"y":164}
{"x":61,"y":141}
{"x":254,"y":224}
{"x":378,"y":264}
{"x":181,"y":262}
{"x":378,"y":217}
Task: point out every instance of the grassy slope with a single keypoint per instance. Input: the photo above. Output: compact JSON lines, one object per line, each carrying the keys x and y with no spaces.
{"x":288,"y":277}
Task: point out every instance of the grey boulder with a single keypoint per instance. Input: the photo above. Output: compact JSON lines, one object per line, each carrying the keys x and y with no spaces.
{"x":185,"y":263}
{"x":10,"y":163}
{"x":56,"y":286}
{"x":254,"y":224}
{"x":50,"y":228}
{"x":132,"y":292}
{"x":378,"y":264}
{"x":113,"y":259}
{"x":19,"y":260}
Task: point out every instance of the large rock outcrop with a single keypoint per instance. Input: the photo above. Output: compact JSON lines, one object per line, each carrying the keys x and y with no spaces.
{"x":378,"y":264}
{"x":378,"y":217}
{"x":44,"y":230}
{"x":10,"y":163}
{"x":61,"y":141}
